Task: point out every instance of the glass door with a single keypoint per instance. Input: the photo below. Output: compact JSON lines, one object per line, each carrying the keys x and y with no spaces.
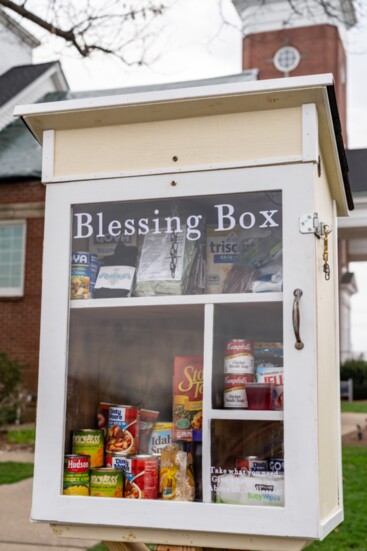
{"x":136,"y":367}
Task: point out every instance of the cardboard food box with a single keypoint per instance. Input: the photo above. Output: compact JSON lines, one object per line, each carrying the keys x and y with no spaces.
{"x":187,"y":396}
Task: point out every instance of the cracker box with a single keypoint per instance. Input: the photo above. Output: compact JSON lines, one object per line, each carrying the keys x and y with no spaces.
{"x":187,"y":397}
{"x":221,"y":254}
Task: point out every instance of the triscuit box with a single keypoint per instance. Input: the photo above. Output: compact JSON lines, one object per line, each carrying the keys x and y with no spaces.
{"x":221,"y":254}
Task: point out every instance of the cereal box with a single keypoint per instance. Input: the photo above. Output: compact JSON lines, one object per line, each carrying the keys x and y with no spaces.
{"x":187,"y":396}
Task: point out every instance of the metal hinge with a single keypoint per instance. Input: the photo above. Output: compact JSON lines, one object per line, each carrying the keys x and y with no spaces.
{"x":309,"y":223}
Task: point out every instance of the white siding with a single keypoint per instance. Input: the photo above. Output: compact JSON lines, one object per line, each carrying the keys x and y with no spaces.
{"x":13,"y":51}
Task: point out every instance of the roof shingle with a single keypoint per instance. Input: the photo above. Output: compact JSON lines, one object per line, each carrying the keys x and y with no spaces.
{"x":17,"y":78}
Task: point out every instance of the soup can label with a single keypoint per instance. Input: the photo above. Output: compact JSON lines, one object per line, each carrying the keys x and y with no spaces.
{"x":89,"y":442}
{"x":123,"y":429}
{"x":105,"y":482}
{"x":76,"y":475}
{"x":235,"y":390}
{"x":276,"y":465}
{"x":140,"y":473}
{"x":251,"y":463}
{"x":238,"y":357}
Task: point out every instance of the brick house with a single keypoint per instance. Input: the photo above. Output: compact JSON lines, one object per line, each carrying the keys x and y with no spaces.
{"x":22,"y":196}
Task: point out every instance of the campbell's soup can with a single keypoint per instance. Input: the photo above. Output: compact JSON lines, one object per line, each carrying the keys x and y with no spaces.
{"x":276,"y":464}
{"x":251,"y":463}
{"x":141,"y":475}
{"x":235,"y":389}
{"x":106,"y":482}
{"x":76,"y":475}
{"x":238,"y":357}
{"x":123,"y":429}
{"x":89,"y":442}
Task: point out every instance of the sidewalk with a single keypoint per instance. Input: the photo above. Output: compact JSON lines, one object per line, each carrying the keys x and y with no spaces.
{"x":351,"y":420}
{"x":17,"y":533}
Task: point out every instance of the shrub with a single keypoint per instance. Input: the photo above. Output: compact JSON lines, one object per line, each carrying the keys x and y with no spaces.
{"x":10,"y":381}
{"x":356,"y":370}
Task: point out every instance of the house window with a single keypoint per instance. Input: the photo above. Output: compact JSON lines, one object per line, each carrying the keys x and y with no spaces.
{"x":12,"y":258}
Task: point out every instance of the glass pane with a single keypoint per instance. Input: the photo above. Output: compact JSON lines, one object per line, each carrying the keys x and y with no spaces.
{"x":125,"y":367}
{"x":248,"y":356}
{"x":11,"y":254}
{"x":135,"y":374}
{"x":247,"y":463}
{"x":247,"y":459}
{"x":207,"y":245}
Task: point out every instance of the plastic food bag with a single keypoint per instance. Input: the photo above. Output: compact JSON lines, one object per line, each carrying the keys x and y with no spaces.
{"x":169,"y":264}
{"x":176,"y":475}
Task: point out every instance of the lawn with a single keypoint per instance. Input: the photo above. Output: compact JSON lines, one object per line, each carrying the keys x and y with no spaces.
{"x":354,"y":407}
{"x":11,"y":471}
{"x":352,"y":533}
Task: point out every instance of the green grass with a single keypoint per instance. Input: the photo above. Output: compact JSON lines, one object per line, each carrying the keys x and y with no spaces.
{"x":21,"y":436}
{"x":352,"y":533}
{"x":11,"y":472}
{"x":354,"y":407}
{"x":98,"y":547}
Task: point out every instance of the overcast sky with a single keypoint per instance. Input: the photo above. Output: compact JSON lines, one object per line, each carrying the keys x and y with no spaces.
{"x":195,"y":44}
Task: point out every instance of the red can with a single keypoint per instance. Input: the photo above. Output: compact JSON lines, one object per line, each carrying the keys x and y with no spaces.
{"x":235,"y":390}
{"x":251,"y":463}
{"x":141,"y":475}
{"x":123,"y":429}
{"x":76,"y":475}
{"x":102,"y":416}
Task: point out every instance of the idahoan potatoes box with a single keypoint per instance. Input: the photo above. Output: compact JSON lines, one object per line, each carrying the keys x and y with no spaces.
{"x":187,"y":396}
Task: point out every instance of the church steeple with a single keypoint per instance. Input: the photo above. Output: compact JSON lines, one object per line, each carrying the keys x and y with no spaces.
{"x":283,"y":38}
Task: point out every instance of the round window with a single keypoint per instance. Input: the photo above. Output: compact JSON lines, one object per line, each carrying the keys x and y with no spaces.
{"x":286,"y":59}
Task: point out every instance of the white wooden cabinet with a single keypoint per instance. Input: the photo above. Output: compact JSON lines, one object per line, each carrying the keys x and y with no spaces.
{"x":264,"y":158}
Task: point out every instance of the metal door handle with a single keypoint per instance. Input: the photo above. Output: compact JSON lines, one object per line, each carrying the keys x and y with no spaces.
{"x":296,"y":318}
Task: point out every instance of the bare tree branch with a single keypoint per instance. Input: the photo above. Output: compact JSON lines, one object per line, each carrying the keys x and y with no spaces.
{"x":109,"y":27}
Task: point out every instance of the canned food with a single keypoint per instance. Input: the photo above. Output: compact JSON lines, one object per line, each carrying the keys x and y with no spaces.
{"x":140,"y":472}
{"x":123,"y":429}
{"x":251,"y":464}
{"x":106,"y":482}
{"x":235,"y":390}
{"x":76,"y":475}
{"x":89,"y":442}
{"x":276,"y":465}
{"x":102,"y":416}
{"x":238,"y":357}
